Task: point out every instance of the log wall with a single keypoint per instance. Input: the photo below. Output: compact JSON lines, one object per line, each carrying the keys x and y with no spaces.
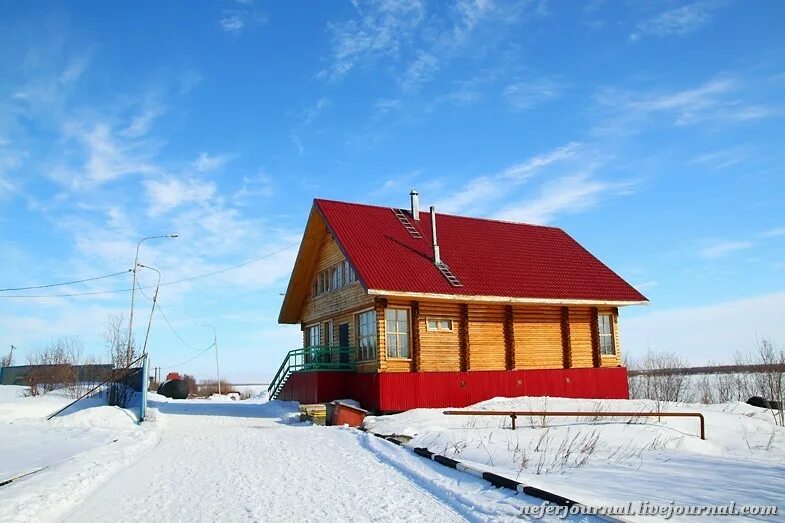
{"x":486,"y":337}
{"x":537,"y":333}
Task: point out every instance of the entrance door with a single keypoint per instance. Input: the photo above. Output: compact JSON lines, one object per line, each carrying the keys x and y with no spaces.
{"x":343,"y":340}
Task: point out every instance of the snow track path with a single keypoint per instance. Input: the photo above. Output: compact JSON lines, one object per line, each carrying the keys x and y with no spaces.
{"x":254,"y":462}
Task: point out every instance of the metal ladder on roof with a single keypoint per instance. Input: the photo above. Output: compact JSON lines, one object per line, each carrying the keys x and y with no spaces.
{"x":445,"y":270}
{"x":406,"y":223}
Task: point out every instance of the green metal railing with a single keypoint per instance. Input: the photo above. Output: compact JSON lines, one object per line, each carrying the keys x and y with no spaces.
{"x":311,"y":359}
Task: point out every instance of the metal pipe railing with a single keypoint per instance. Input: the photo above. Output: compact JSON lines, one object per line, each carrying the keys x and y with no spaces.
{"x":513,"y":414}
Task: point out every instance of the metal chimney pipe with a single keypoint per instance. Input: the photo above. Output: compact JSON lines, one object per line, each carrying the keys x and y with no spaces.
{"x":436,"y":258}
{"x":415,"y":204}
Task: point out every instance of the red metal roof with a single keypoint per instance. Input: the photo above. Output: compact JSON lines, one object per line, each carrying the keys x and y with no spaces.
{"x":489,"y":257}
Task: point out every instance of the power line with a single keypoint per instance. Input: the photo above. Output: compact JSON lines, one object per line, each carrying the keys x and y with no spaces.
{"x":188,"y":360}
{"x":65,"y":282}
{"x":166,"y":320}
{"x":173,"y":282}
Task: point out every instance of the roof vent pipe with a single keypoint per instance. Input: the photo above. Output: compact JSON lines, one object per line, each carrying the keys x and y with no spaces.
{"x":415,"y":204}
{"x":436,"y":258}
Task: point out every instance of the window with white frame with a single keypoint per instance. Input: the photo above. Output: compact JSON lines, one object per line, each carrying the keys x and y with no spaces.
{"x":605,"y":327}
{"x":439,"y":324}
{"x":366,"y":335}
{"x":313,"y":336}
{"x":397,"y":330}
{"x":333,"y":278}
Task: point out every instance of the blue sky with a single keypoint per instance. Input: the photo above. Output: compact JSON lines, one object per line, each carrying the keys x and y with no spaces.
{"x":651,"y":132}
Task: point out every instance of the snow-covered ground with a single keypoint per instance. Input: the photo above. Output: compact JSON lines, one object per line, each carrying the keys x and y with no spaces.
{"x":205,"y":460}
{"x":252,"y":460}
{"x":614,"y":460}
{"x":72,"y":454}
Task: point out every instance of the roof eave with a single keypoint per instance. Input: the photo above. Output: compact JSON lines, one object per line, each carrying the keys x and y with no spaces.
{"x":505,"y":299}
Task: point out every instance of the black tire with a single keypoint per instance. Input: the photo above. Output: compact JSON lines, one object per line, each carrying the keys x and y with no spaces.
{"x":757,"y":401}
{"x":175,"y":389}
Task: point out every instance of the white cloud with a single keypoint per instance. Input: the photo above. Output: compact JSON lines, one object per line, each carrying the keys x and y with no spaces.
{"x":254,"y":187}
{"x":524,"y":170}
{"x":109,"y":158}
{"x":140,"y":125}
{"x":239,"y":18}
{"x":718,"y":100}
{"x":164,"y":195}
{"x":771,"y":233}
{"x":723,"y":158}
{"x":718,"y":249}
{"x":706,"y":333}
{"x":567,"y":195}
{"x":525,"y":95}
{"x":380,"y":30}
{"x":421,"y":69}
{"x":206,"y":162}
{"x":74,"y":70}
{"x":678,"y":21}
{"x":477,"y":194}
{"x":232,"y":24}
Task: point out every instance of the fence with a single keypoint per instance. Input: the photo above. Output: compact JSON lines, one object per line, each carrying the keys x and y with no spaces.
{"x":513,"y":414}
{"x":127,"y":378}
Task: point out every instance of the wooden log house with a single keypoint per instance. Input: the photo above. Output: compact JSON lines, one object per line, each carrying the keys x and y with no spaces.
{"x":403,"y":309}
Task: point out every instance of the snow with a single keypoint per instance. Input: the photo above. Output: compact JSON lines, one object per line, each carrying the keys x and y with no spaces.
{"x":228,"y":460}
{"x":75,"y":451}
{"x":220,"y":459}
{"x":612,"y":460}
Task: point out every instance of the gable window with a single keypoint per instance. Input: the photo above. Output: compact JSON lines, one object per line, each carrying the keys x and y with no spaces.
{"x":336,"y":276}
{"x":605,"y":327}
{"x":366,"y":335}
{"x":333,"y":278}
{"x":439,"y":324}
{"x":397,"y":329}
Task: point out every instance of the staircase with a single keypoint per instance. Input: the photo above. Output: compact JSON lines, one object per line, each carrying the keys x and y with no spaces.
{"x":311,"y":359}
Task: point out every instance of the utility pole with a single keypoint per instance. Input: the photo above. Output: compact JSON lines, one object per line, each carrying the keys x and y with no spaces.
{"x":215,"y":344}
{"x":133,"y":291}
{"x":152,"y":310}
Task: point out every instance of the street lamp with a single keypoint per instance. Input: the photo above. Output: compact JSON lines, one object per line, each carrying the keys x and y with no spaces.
{"x":133,"y":290}
{"x":152,"y":310}
{"x":215,"y":344}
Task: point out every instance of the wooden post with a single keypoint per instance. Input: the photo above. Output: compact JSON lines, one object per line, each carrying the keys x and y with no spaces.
{"x":463,"y":337}
{"x":416,"y":354}
{"x":596,"y":358}
{"x":380,"y":304}
{"x":509,"y":339}
{"x":566,"y":343}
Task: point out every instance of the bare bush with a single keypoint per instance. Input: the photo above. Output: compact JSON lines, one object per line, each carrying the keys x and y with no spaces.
{"x":122,"y":355}
{"x":658,"y":384}
{"x":52,"y":367}
{"x":210,"y":387}
{"x":8,"y":359}
{"x":193,"y":387}
{"x":769,"y":382}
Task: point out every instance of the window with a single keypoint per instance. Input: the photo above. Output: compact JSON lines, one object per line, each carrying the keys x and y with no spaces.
{"x":397,"y":329}
{"x":605,"y":324}
{"x":327,"y":329}
{"x":332,"y":278}
{"x":336,"y":276}
{"x":366,"y":334}
{"x":439,"y":324}
{"x":313,"y":336}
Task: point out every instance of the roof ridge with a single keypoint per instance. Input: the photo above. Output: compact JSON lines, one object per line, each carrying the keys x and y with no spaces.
{"x":464,"y":217}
